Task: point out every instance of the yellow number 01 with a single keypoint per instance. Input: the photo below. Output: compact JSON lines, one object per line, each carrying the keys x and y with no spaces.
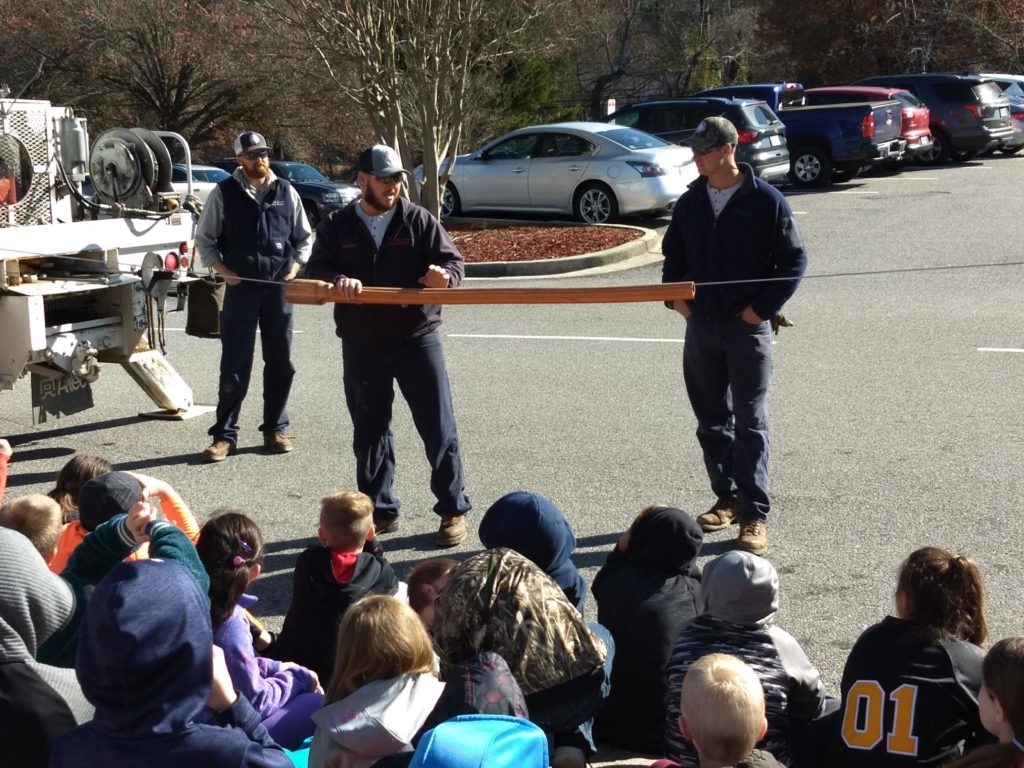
{"x":868,"y":694}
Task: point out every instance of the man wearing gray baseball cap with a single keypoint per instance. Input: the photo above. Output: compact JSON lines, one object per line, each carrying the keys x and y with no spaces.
{"x":383,"y":239}
{"x":736,"y":232}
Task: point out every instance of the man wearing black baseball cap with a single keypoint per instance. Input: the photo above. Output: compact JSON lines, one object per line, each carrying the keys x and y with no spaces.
{"x":382,"y":239}
{"x":253,"y":232}
{"x":736,"y":232}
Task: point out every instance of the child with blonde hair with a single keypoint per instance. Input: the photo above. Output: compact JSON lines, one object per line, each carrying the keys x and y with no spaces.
{"x":38,"y":518}
{"x":383,"y":689}
{"x":1001,"y":707}
{"x":910,"y":684}
{"x":342,"y":567}
{"x":284,"y":694}
{"x":722,"y":712}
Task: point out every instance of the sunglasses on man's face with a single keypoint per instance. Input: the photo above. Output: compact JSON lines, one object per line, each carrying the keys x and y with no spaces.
{"x":256,"y":154}
{"x":395,"y":178}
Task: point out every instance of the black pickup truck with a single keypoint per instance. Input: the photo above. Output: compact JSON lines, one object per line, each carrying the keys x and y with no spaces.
{"x":829,"y":142}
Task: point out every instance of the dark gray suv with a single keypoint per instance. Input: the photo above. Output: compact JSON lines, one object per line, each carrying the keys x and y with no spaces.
{"x":762,"y":136}
{"x":969,"y":114}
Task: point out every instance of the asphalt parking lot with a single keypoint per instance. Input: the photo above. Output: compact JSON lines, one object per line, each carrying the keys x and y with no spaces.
{"x":896,"y":411}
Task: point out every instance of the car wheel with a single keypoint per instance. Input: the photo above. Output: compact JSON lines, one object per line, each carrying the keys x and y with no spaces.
{"x":939,"y":150}
{"x":1011,"y":150}
{"x":595,"y":204}
{"x":311,"y":214}
{"x":451,"y":204}
{"x":810,"y":167}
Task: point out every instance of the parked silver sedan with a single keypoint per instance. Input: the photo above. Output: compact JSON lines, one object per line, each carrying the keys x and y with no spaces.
{"x":593,"y":171}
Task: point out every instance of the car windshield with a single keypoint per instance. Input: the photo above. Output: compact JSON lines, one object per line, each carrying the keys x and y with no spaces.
{"x":907,"y":99}
{"x":215,"y":175}
{"x":988,"y":91}
{"x":632,"y":139}
{"x":298,"y":172}
{"x":760,"y":115}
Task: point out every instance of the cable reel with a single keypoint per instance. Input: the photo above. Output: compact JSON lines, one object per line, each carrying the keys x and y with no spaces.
{"x":131,"y":168}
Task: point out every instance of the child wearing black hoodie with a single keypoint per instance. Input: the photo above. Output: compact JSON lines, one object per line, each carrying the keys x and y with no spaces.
{"x":329,"y":576}
{"x":648,"y":589}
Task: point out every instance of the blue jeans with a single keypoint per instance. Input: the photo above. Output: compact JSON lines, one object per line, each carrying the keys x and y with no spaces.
{"x":370,"y":374}
{"x":246,"y":307}
{"x":727,"y":367}
{"x":566,"y":712}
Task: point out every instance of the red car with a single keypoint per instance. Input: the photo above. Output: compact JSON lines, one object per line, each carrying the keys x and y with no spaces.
{"x":915,"y":115}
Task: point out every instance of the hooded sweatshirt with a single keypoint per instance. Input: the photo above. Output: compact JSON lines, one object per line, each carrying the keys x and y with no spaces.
{"x":319,"y":601}
{"x":741,"y":597}
{"x":144,"y":660}
{"x":375,"y":721}
{"x":645,"y":596}
{"x":38,"y":702}
{"x":535,"y":528}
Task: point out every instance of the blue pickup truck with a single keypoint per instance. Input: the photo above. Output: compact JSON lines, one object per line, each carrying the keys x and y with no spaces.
{"x":829,"y":142}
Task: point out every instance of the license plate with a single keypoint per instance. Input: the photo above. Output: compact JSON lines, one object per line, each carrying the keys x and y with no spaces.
{"x":775,"y":140}
{"x":1004,"y":111}
{"x":926,"y":140}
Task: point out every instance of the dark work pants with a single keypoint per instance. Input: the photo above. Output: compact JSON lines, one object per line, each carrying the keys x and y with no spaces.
{"x":727,"y":367}
{"x":370,"y":374}
{"x":246,"y":307}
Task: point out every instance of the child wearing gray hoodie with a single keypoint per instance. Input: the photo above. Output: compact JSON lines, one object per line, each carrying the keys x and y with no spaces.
{"x":741,"y":597}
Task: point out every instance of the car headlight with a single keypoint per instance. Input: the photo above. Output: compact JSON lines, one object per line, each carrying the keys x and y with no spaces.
{"x":330,"y":197}
{"x":646,"y":170}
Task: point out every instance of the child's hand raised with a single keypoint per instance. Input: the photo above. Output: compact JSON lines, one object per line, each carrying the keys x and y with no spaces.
{"x":139,"y":517}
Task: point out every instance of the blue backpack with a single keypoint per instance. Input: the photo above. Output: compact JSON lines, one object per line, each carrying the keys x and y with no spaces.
{"x":483,"y":741}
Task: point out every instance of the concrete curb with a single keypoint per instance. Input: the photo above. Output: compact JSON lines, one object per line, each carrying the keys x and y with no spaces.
{"x":619,"y":253}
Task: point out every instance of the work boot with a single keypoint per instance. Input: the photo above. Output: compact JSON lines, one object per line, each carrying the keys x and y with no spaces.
{"x":275,"y":442}
{"x":753,"y":536}
{"x":721,"y":515}
{"x":452,"y":531}
{"x":219,"y":451}
{"x":386,"y":525}
{"x":569,"y":757}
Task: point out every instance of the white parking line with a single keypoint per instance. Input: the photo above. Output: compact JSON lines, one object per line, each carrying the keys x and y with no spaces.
{"x":560,"y":338}
{"x":1000,"y":349}
{"x":257,"y":330}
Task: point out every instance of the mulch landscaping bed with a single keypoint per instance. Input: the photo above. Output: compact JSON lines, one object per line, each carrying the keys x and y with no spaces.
{"x":525,"y":243}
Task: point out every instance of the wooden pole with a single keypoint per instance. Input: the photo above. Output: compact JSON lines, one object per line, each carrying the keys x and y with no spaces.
{"x":319,"y":292}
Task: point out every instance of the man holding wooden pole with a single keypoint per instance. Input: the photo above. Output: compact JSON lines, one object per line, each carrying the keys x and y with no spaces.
{"x":384,"y":240}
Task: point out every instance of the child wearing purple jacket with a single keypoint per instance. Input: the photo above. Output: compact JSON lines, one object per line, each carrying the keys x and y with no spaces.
{"x":283,"y":693}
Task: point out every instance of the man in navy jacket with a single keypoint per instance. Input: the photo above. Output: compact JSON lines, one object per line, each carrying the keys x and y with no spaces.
{"x":730,"y":227}
{"x":385,"y":240}
{"x":254,"y":233}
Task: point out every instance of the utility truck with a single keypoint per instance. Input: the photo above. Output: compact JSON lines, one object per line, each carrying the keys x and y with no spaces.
{"x":85,"y":280}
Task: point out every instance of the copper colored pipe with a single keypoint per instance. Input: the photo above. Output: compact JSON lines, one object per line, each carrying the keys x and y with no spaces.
{"x":319,"y":292}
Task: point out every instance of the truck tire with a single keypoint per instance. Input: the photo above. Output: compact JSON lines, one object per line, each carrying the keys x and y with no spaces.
{"x":810,"y":167}
{"x":595,"y":203}
{"x":311,"y":214}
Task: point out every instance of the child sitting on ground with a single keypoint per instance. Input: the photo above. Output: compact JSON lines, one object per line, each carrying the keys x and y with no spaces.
{"x":37,"y":518}
{"x":535,"y":528}
{"x":1000,"y":707}
{"x":282,"y":693}
{"x":148,"y":664}
{"x":116,"y":493}
{"x":426,"y":581}
{"x":741,"y":596}
{"x":910,"y":684}
{"x":646,"y":592}
{"x":72,"y":476}
{"x":383,"y":688}
{"x":722,"y":712}
{"x":329,"y":577}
